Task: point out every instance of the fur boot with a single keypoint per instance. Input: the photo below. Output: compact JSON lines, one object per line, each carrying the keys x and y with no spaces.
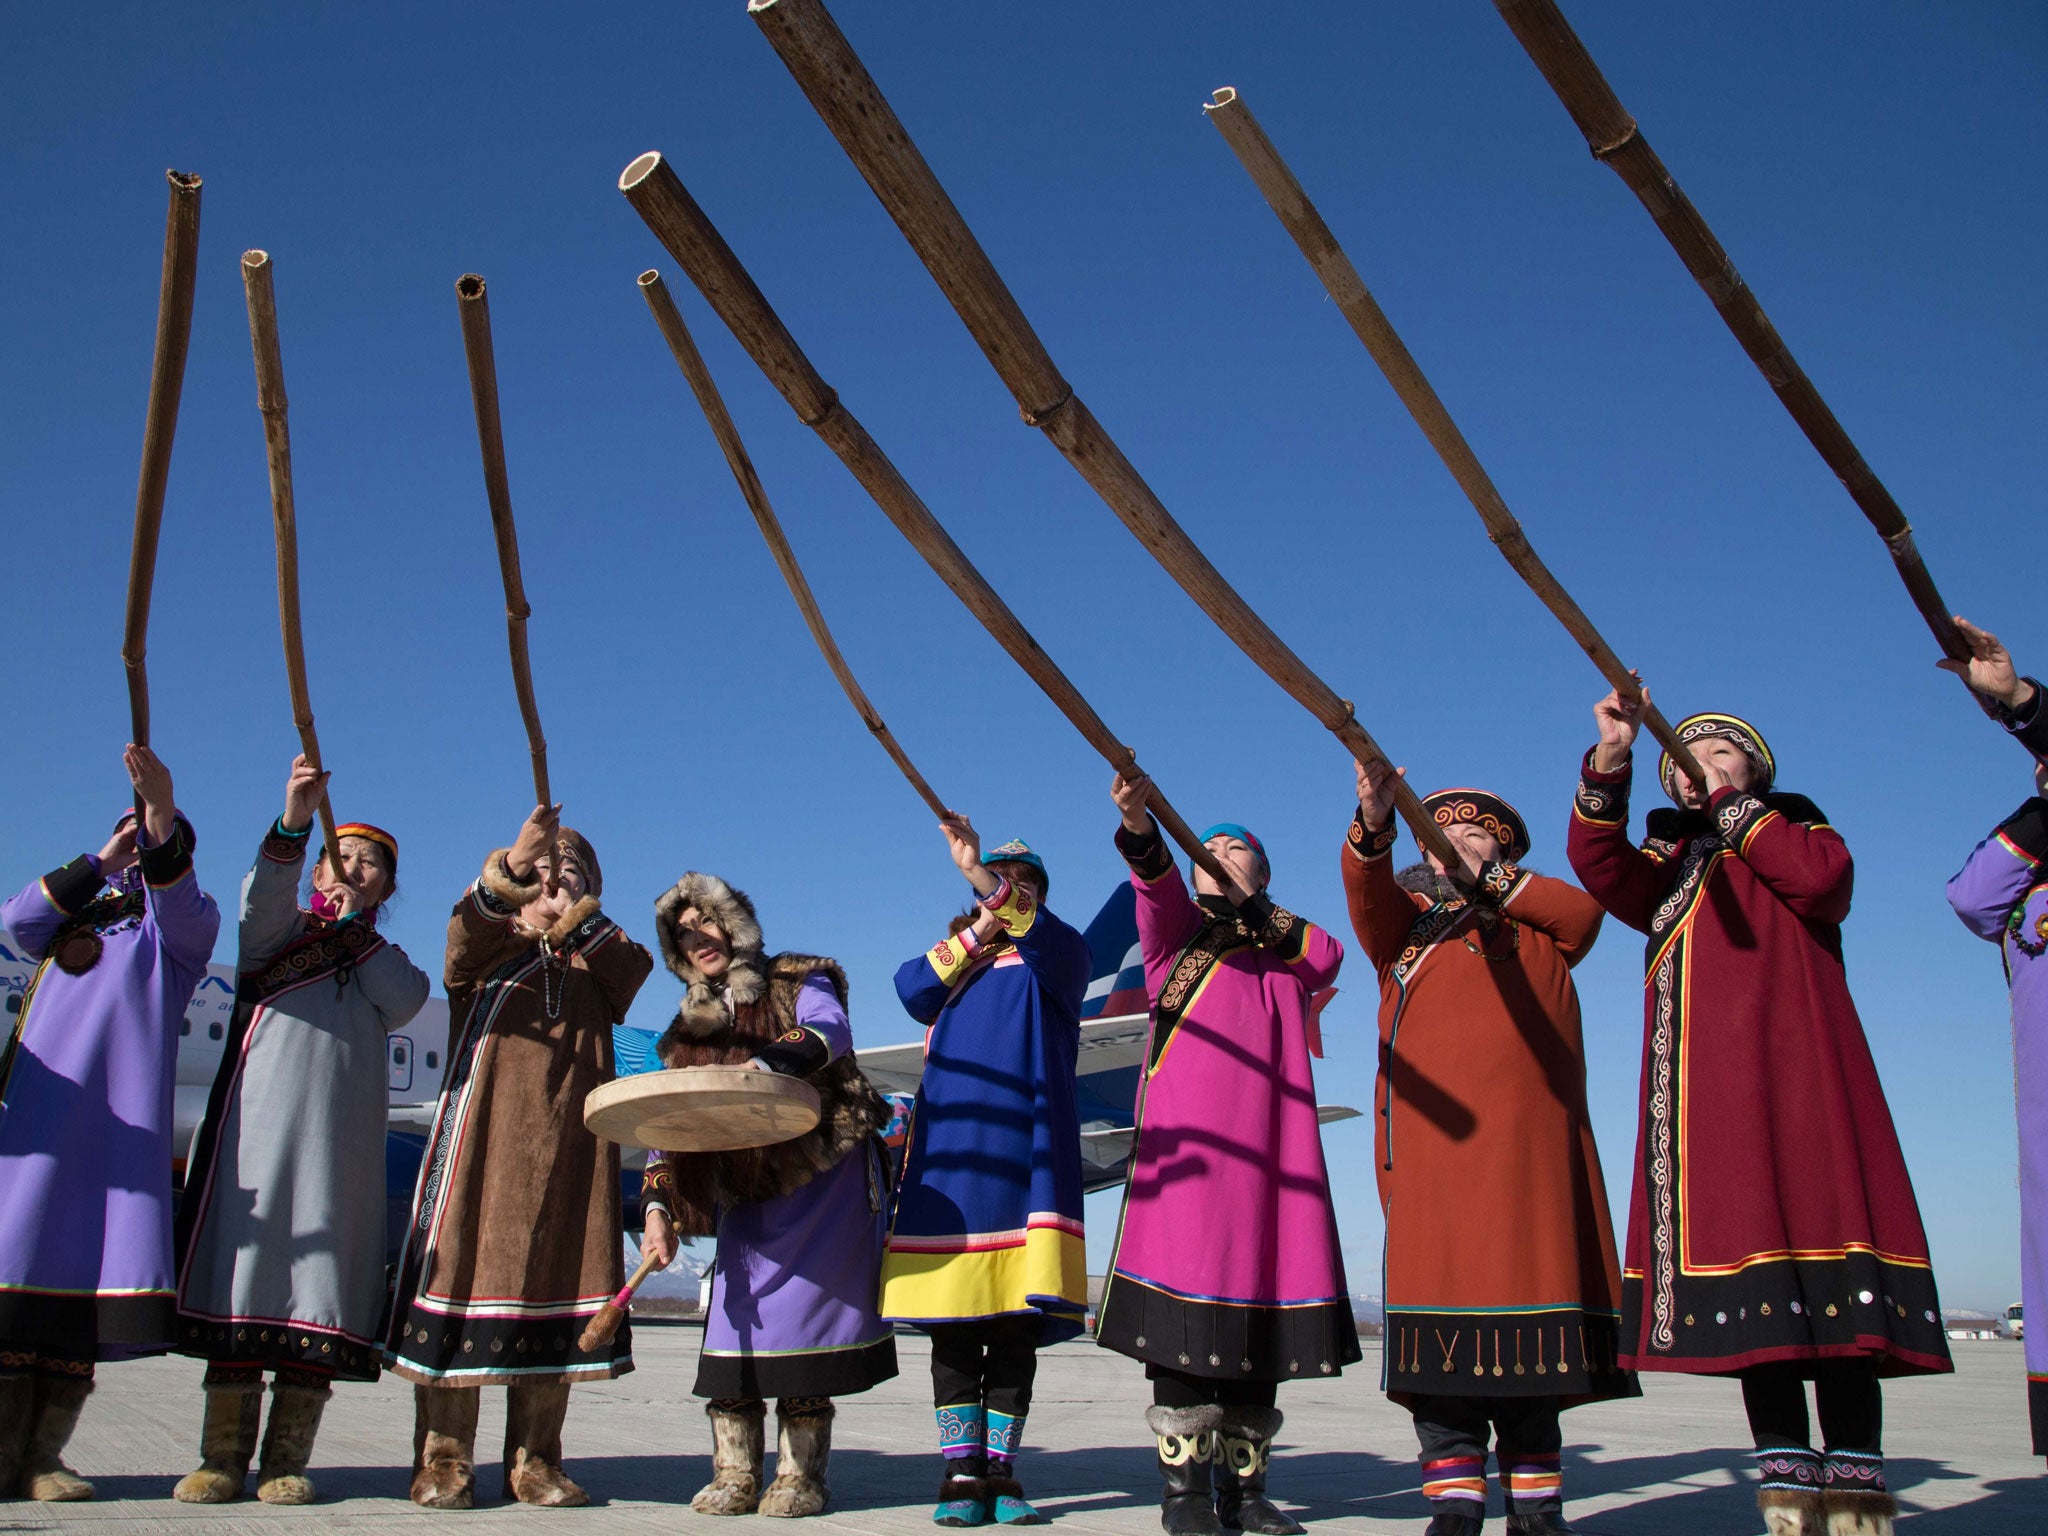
{"x":1858,"y":1512}
{"x":963,"y":1492}
{"x":803,"y":1447}
{"x":444,"y":1446}
{"x":736,"y":1456}
{"x":533,"y":1446}
{"x":1244,"y":1447}
{"x":227,"y":1441}
{"x":17,"y":1412}
{"x":1791,"y":1512}
{"x":1187,"y":1452}
{"x":43,"y":1475}
{"x":288,"y":1443}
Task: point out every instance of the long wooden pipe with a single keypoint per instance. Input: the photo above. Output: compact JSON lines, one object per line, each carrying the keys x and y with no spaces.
{"x":1539,"y":26}
{"x":683,"y":347}
{"x":1354,"y":300}
{"x":839,"y":87}
{"x":277,"y":445}
{"x":660,"y":198}
{"x":475,"y":309}
{"x":159,"y":429}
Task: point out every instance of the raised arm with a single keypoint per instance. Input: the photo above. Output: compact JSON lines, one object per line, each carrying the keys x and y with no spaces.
{"x":395,"y":987}
{"x":271,"y":918}
{"x":1554,"y":907}
{"x":35,"y":912}
{"x":2004,"y":867}
{"x":1615,"y":872}
{"x":480,"y":933}
{"x":620,"y":967}
{"x":1792,"y":849}
{"x":1382,"y":914}
{"x":187,"y":919}
{"x":924,"y":984}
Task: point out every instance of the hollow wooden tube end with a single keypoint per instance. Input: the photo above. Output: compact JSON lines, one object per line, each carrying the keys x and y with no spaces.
{"x":469,"y":287}
{"x":254,"y":262}
{"x":1222,"y":96}
{"x":637,"y":172}
{"x":183,"y":183}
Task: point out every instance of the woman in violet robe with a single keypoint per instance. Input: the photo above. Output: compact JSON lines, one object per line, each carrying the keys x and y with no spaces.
{"x":85,"y":1123}
{"x":2001,"y":894}
{"x":799,"y":1224}
{"x":1227,"y":1277}
{"x":281,"y":1234}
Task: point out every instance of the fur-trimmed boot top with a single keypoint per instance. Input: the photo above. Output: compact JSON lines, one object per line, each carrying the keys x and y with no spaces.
{"x":735,"y":1017}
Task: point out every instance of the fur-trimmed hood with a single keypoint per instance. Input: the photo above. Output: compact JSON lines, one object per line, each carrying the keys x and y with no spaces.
{"x":703,"y":1011}
{"x":499,"y":880}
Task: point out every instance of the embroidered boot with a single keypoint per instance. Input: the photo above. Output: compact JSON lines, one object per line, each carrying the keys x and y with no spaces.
{"x":1005,"y":1494}
{"x":43,"y":1475}
{"x":17,"y":1412}
{"x":803,"y":1447}
{"x":534,"y":1412}
{"x":1789,"y":1496}
{"x":227,"y":1439}
{"x":444,"y":1446}
{"x":1244,"y":1447}
{"x":1187,"y":1444}
{"x":736,"y":1457}
{"x":295,"y":1409}
{"x":963,"y":1485}
{"x":1853,"y":1494}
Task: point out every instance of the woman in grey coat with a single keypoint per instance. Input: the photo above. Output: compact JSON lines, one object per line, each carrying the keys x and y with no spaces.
{"x":281,"y":1232}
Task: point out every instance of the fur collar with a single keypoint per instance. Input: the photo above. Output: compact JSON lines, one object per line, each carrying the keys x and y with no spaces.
{"x":499,"y":880}
{"x":703,"y":1011}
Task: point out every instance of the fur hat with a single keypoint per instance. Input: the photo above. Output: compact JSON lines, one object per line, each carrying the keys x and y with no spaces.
{"x":703,"y":1011}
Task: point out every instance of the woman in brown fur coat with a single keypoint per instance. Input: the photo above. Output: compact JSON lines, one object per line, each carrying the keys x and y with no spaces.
{"x":800,"y":1225}
{"x":514,"y":1242}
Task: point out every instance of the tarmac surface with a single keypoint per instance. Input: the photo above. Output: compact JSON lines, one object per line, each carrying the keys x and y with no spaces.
{"x":1674,"y":1461}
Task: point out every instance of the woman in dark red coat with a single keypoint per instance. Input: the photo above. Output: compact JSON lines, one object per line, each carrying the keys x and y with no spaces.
{"x":1772,"y":1235}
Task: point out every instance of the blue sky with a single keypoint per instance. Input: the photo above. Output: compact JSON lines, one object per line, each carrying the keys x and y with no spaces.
{"x":1872,"y":168}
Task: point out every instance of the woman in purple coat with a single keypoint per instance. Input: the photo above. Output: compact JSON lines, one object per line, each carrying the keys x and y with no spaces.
{"x":120,"y":938}
{"x":2001,"y":894}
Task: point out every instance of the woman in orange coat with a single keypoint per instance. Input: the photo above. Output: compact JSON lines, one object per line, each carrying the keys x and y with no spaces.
{"x":1503,"y":1295}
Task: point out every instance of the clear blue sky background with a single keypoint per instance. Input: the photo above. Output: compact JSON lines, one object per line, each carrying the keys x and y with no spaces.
{"x":1876,"y":171}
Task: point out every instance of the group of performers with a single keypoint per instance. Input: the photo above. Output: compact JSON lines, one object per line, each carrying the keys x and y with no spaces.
{"x":1773,"y":1235}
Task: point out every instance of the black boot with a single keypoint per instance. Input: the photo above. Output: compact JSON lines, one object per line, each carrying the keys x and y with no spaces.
{"x":1187,"y":1448}
{"x":1454,"y":1522}
{"x":1244,"y":1445}
{"x":1542,"y":1522}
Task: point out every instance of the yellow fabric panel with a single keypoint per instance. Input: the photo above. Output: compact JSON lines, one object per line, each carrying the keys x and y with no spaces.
{"x":926,"y":1286}
{"x":1019,"y":908}
{"x":949,"y":957}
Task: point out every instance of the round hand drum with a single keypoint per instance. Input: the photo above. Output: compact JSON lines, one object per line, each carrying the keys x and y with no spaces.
{"x":702,"y":1109}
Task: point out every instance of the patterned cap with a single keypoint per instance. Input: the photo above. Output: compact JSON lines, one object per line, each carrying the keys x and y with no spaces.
{"x":1242,"y":834}
{"x":364,"y":830}
{"x":1489,"y":813}
{"x":1728,"y":728}
{"x":1015,"y":851}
